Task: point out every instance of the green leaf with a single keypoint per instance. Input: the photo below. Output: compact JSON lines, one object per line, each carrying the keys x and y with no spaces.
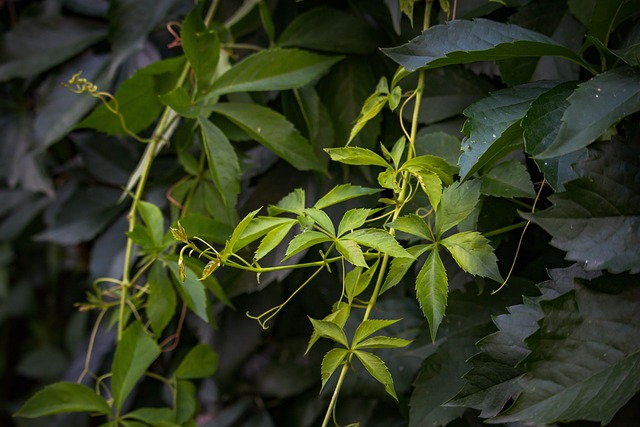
{"x":272,"y":239}
{"x":356,"y":156}
{"x":371,"y":107}
{"x":583,"y":361}
{"x":137,"y":100}
{"x":259,"y":227}
{"x":473,"y":254}
{"x":135,"y":352}
{"x":192,"y":290}
{"x":330,"y":30}
{"x":293,"y":202}
{"x":223,"y":165}
{"x":400,"y":266}
{"x":353,"y":218}
{"x":378,"y":370}
{"x":63,"y":397}
{"x":273,"y":131}
{"x":379,"y":240}
{"x":160,"y":417}
{"x":237,"y":237}
{"x":607,"y":14}
{"x":185,"y":401}
{"x":430,"y":164}
{"x":431,"y":184}
{"x":432,"y":288}
{"x":339,"y":316}
{"x":508,"y":179}
{"x":594,"y":106}
{"x":153,"y":220}
{"x":200,"y":362}
{"x":273,"y":69}
{"x":36,"y":44}
{"x":330,"y":330}
{"x":201,"y":46}
{"x":458,"y":201}
{"x":352,"y":252}
{"x":414,"y":225}
{"x":305,"y":240}
{"x":205,"y":227}
{"x":161,"y":303}
{"x":384,"y":342}
{"x":357,"y":281}
{"x":334,"y":358}
{"x":179,"y":100}
{"x":596,"y":221}
{"x":540,"y":128}
{"x":492,"y":129}
{"x":320,"y":218}
{"x":369,"y":327}
{"x":462,"y":42}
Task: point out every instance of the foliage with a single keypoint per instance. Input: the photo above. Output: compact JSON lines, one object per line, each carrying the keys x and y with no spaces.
{"x":275,"y":199}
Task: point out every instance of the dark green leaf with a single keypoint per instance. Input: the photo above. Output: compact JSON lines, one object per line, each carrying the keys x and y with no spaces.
{"x":135,"y":352}
{"x":357,"y":281}
{"x":179,"y":100}
{"x":157,"y":417}
{"x":205,"y":227}
{"x":473,"y":254}
{"x":63,"y":397}
{"x":201,"y":46}
{"x":461,"y":42}
{"x":594,"y":106}
{"x":185,"y":401}
{"x":273,"y":131}
{"x":492,"y":129}
{"x":192,"y":290}
{"x":37,"y":44}
{"x":540,"y":128}
{"x":597,"y":219}
{"x":161,"y":304}
{"x":379,"y":240}
{"x":432,"y":288}
{"x":200,"y":362}
{"x":508,"y":179}
{"x":334,"y":358}
{"x":273,"y":69}
{"x":356,"y":156}
{"x":223,"y":165}
{"x":378,"y":370}
{"x":458,"y":201}
{"x":330,"y":30}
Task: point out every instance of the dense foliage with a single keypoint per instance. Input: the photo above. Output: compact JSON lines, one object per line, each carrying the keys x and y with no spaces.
{"x":302,"y":213}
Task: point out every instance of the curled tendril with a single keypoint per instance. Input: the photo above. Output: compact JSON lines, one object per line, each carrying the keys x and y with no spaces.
{"x":79,"y":84}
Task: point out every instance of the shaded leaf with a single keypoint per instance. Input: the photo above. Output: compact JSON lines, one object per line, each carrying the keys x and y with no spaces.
{"x":135,"y":352}
{"x":200,"y":362}
{"x":461,"y":42}
{"x":191,"y":289}
{"x":356,"y":156}
{"x":201,"y":47}
{"x":378,"y":370}
{"x":273,"y":69}
{"x":508,"y":179}
{"x":457,"y":203}
{"x":273,"y":131}
{"x":334,"y":358}
{"x":160,"y":417}
{"x":153,"y":219}
{"x":63,"y":397}
{"x":473,"y":253}
{"x":331,"y":330}
{"x":492,"y":128}
{"x":161,"y":303}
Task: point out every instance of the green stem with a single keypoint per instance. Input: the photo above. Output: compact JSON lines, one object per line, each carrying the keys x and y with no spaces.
{"x":336,"y":392}
{"x":505,"y":229}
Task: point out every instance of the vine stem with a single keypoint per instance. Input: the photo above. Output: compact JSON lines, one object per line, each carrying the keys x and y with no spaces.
{"x":162,"y":133}
{"x":336,"y":392}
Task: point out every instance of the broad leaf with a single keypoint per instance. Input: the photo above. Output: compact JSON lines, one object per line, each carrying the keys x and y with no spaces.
{"x":378,"y":370}
{"x":461,"y":42}
{"x":353,"y":218}
{"x":334,"y":358}
{"x":508,"y":179}
{"x":135,"y":352}
{"x":272,"y":239}
{"x":200,"y":362}
{"x":432,"y":288}
{"x":594,"y":106}
{"x":540,"y":128}
{"x":192,"y":290}
{"x":330,"y":330}
{"x":414,"y":225}
{"x":273,"y":131}
{"x":572,"y":372}
{"x":223,"y":165}
{"x":37,"y":44}
{"x":153,"y":220}
{"x":161,"y":304}
{"x":273,"y":69}
{"x":473,"y":253}
{"x":160,"y":417}
{"x":596,"y":220}
{"x":321,"y":218}
{"x":63,"y":397}
{"x":458,"y":201}
{"x":432,"y":164}
{"x":356,"y":156}
{"x":378,"y":240}
{"x":305,"y":240}
{"x":492,"y":129}
{"x":351,"y":252}
{"x":293,"y":202}
{"x":339,"y":316}
{"x":201,"y":47}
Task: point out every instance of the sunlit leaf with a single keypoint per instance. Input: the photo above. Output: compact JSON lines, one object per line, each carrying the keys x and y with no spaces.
{"x":353,"y":218}
{"x":457,"y":203}
{"x":334,"y":358}
{"x":473,"y":254}
{"x":63,"y":397}
{"x":352,"y":252}
{"x":330,"y":330}
{"x":400,"y":266}
{"x":379,"y":240}
{"x":378,"y":370}
{"x":369,"y":327}
{"x":305,"y":240}
{"x":432,"y":288}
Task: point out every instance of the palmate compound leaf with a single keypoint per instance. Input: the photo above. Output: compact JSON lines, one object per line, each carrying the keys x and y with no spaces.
{"x":461,"y":42}
{"x":594,"y":106}
{"x":597,"y":220}
{"x":493,"y":126}
{"x":473,"y":253}
{"x":585,"y":358}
